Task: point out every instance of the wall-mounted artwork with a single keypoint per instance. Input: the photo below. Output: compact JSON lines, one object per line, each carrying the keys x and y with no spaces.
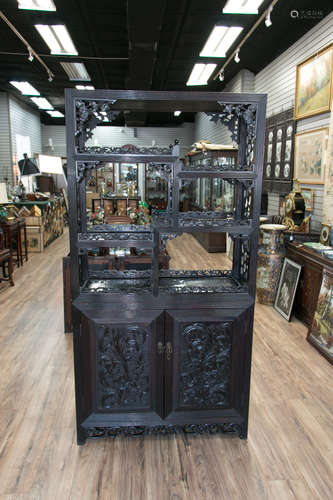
{"x":279,"y":153}
{"x":314,"y":84}
{"x":320,"y":333}
{"x":310,"y":148}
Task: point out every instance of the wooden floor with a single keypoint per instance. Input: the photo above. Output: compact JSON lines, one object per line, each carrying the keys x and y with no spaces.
{"x":288,"y":454}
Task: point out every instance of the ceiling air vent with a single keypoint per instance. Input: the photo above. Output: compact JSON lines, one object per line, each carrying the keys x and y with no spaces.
{"x":76,"y":71}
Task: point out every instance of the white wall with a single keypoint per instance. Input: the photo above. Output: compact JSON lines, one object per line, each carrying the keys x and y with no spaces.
{"x":218,"y":133}
{"x":119,"y":136}
{"x":24,"y":121}
{"x":5,"y":147}
{"x":278,"y":81}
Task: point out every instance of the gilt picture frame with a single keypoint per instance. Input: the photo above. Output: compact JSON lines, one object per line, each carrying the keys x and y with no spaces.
{"x":309,"y":158}
{"x":308,"y":195}
{"x":313,"y":94}
{"x":320,"y":333}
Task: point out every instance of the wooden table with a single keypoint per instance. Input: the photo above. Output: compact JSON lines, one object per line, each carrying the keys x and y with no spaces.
{"x":11,"y":232}
{"x":312,"y":263}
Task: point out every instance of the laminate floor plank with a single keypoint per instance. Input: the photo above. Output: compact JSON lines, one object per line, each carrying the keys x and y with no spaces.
{"x":288,"y":454}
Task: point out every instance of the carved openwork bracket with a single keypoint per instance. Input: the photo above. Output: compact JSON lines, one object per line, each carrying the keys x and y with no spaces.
{"x":88,"y":115}
{"x":164,"y":170}
{"x":84,"y":170}
{"x":233,"y":115}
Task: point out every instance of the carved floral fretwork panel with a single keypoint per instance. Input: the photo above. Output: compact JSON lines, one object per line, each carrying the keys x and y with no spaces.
{"x":232,"y":116}
{"x":123,"y":367}
{"x":205,"y":364}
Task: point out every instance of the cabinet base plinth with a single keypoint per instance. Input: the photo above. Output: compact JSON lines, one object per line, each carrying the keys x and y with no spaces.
{"x":226,"y":428}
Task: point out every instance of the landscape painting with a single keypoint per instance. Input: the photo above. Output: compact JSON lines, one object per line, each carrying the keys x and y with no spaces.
{"x":314,"y":84}
{"x":310,"y":148}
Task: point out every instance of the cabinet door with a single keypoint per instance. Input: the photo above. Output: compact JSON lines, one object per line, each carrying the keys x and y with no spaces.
{"x":122,"y":372}
{"x":208,"y":370}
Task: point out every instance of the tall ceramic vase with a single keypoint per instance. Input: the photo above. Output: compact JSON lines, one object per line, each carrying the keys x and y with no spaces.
{"x":270,"y":257}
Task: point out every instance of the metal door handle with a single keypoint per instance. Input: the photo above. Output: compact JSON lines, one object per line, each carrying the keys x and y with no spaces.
{"x":160,"y":348}
{"x":169,"y":350}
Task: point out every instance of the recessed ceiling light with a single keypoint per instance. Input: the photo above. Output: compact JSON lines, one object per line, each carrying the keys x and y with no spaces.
{"x":219,"y":41}
{"x":242,"y":6}
{"x":36,"y":5}
{"x":55,"y":114}
{"x":57,"y":38}
{"x":84,"y":87}
{"x":41,"y":102}
{"x":200,"y":74}
{"x":177,"y":113}
{"x":76,"y":71}
{"x":25,"y":88}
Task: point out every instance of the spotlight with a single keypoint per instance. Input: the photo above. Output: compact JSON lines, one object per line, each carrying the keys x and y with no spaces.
{"x":51,"y":76}
{"x":268,"y":20}
{"x":31,"y":56}
{"x":221,"y":75}
{"x":237,"y":58}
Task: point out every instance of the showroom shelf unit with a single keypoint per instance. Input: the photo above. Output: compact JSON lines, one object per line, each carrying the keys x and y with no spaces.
{"x":164,"y":351}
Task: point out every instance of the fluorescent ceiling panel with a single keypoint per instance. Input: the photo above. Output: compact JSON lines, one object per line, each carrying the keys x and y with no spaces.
{"x":220,"y":40}
{"x":25,"y":88}
{"x":36,"y":5}
{"x":55,"y":114}
{"x":41,"y":102}
{"x":200,"y":74}
{"x":76,"y":71}
{"x":242,"y":6}
{"x":57,"y":38}
{"x":84,"y":87}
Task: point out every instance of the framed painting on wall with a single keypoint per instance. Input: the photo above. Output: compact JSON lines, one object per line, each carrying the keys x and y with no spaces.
{"x":308,"y":198}
{"x":320,"y":333}
{"x":314,"y":84}
{"x":310,"y":148}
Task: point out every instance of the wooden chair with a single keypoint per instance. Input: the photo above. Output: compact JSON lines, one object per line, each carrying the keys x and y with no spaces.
{"x":6,"y":257}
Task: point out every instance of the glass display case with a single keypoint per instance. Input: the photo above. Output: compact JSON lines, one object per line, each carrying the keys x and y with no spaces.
{"x":156,"y":188}
{"x":128,"y":172}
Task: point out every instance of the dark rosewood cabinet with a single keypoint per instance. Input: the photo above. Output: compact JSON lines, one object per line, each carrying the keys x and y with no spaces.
{"x":159,"y":350}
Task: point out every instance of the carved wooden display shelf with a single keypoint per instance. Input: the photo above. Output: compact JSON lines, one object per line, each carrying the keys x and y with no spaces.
{"x":163,"y":351}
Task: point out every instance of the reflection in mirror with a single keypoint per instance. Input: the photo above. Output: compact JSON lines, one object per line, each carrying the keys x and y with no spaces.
{"x":206,"y":194}
{"x":199,"y":250}
{"x":156,"y":188}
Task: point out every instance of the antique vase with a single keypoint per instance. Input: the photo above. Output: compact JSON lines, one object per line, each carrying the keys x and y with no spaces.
{"x":270,"y":257}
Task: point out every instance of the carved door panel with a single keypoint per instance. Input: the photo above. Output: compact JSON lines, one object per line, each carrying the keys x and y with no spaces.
{"x":201,"y":380}
{"x":124,"y":374}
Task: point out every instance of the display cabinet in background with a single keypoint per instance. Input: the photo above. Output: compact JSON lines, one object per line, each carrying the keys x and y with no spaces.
{"x":279,"y":153}
{"x":156,"y":187}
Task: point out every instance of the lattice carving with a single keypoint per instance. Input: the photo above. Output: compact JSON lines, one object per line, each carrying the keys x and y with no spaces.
{"x":197,"y":221}
{"x":123,"y":367}
{"x":92,"y":237}
{"x":245,"y":259}
{"x":102,"y":432}
{"x":248,"y":201}
{"x":205,"y":364}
